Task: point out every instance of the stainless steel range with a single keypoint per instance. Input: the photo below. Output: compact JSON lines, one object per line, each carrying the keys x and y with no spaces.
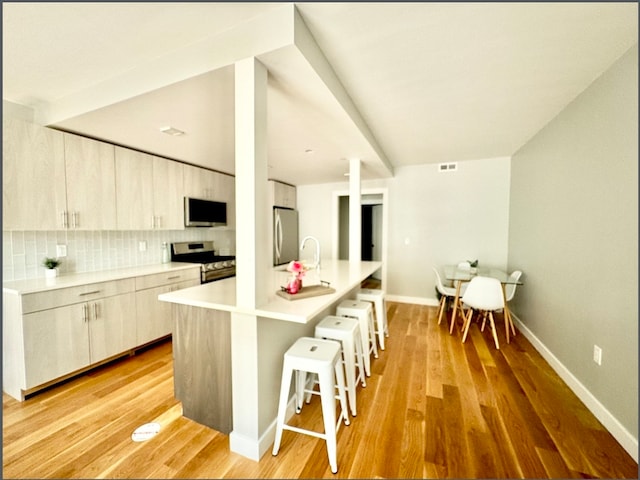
{"x":212,"y":267}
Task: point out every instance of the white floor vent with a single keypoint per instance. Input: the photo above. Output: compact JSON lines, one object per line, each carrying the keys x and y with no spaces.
{"x":447,"y":167}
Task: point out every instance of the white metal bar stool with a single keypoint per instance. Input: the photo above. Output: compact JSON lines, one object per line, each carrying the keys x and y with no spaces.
{"x":376,"y":296}
{"x":364,"y":313}
{"x":347,"y":332}
{"x":322,"y":357}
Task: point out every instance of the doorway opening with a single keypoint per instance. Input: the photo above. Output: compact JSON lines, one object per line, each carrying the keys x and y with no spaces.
{"x":373,"y":230}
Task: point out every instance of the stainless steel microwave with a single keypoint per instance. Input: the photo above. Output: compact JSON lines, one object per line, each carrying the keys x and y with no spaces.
{"x":204,"y":213}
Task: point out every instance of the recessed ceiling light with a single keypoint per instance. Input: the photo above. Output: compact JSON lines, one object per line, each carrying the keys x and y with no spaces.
{"x":308,"y":150}
{"x":172,"y":131}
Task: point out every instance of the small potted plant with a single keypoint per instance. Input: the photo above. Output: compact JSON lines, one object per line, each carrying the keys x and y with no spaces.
{"x":51,"y":264}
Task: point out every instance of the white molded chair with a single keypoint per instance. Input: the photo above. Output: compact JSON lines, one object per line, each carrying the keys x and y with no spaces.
{"x":482,"y":294}
{"x":510,"y":288}
{"x":445,"y":292}
{"x":509,"y":292}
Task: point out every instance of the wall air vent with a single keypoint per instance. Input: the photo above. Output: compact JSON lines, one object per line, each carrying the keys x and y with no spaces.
{"x":447,"y":167}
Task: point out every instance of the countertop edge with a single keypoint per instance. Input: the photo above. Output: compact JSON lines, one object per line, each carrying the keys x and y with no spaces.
{"x":36,"y":285}
{"x":269,"y":310}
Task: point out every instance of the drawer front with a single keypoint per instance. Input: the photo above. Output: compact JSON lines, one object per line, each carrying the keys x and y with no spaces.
{"x":34,"y":302}
{"x":167,"y":278}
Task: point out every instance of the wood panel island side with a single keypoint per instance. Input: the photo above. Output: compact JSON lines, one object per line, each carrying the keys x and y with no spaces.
{"x":228,"y":359}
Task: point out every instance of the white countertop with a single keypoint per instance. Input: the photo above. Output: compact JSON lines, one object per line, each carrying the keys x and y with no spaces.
{"x":34,"y":285}
{"x":221,"y":295}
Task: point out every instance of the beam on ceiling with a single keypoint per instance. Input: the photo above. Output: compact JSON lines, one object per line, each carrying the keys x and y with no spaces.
{"x":261,"y":34}
{"x":307,"y":45}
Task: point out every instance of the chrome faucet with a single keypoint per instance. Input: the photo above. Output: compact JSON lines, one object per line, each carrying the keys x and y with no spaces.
{"x":316,"y":258}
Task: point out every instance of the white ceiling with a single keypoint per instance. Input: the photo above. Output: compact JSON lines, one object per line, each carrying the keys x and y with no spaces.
{"x":430,"y":82}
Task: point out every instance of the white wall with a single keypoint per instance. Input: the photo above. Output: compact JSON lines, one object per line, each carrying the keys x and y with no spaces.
{"x":434,"y":219}
{"x":574,"y":232}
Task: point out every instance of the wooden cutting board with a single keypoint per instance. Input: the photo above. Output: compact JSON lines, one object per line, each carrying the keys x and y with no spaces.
{"x":306,"y":292}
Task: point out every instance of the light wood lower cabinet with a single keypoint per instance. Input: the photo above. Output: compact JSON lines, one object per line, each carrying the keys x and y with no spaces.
{"x":52,"y":334}
{"x":62,"y":340}
{"x":153,"y":317}
{"x":56,"y":342}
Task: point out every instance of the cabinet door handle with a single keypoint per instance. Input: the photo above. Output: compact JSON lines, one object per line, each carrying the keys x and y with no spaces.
{"x":158,"y":221}
{"x":65,"y":219}
{"x":173,"y":278}
{"x":89,"y":293}
{"x":153,"y":221}
{"x":95,"y":311}
{"x":84,"y":313}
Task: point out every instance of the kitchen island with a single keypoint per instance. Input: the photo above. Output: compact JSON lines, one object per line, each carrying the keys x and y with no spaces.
{"x":228,"y":359}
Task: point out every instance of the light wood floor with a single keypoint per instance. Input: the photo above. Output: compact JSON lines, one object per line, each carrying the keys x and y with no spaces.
{"x":433,"y":407}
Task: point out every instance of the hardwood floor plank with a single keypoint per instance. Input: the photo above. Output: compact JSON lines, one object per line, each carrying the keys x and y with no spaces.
{"x":434,"y":437}
{"x":554,"y":464}
{"x":506,"y":458}
{"x":455,"y":438}
{"x":411,"y":455}
{"x":520,"y":438}
{"x":433,"y":408}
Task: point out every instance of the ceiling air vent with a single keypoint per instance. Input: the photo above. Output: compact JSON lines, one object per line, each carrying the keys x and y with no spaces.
{"x":447,"y":167}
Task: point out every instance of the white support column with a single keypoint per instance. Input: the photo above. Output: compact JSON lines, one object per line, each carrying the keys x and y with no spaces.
{"x":252,"y":216}
{"x":355,"y":212}
{"x":251,"y":182}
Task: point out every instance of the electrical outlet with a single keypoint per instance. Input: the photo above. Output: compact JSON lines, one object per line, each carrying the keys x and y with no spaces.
{"x":597,"y":354}
{"x":61,"y":251}
{"x":142,"y":246}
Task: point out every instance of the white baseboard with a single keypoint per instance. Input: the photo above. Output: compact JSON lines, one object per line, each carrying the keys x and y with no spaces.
{"x":253,"y":449}
{"x":611,"y":423}
{"x":432,"y":302}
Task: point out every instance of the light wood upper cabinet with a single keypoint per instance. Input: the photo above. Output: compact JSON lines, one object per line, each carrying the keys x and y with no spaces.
{"x":168,"y":194}
{"x":134,"y":190}
{"x":149,"y":191}
{"x":227,"y":193}
{"x":199,"y":182}
{"x":209,"y":185}
{"x":91,"y":188}
{"x":33,"y":177}
{"x":283,"y":195}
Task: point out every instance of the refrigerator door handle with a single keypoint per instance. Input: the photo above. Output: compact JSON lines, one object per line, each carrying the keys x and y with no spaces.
{"x":278,"y":239}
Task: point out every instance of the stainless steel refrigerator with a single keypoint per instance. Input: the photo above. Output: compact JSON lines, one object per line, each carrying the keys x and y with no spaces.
{"x":285,"y":235}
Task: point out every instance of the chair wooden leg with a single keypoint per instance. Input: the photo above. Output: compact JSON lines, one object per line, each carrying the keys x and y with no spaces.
{"x":467,"y":322}
{"x":456,"y":304}
{"x":506,"y":323}
{"x":441,"y":308}
{"x":493,"y":330}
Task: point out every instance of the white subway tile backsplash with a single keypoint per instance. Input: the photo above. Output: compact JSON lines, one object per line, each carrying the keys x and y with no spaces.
{"x":17,"y":243}
{"x":88,"y":251}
